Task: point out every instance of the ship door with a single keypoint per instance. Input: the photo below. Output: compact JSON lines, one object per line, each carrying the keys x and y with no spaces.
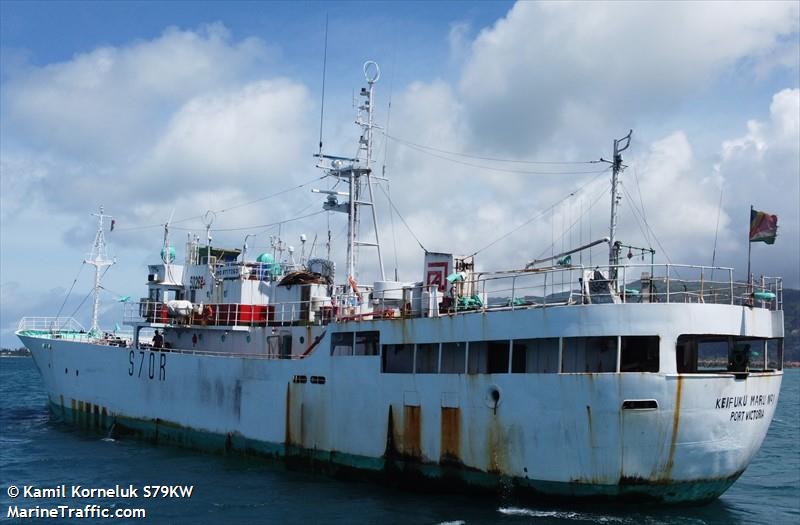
{"x":645,"y":436}
{"x":280,"y":345}
{"x":645,"y":412}
{"x":305,"y":301}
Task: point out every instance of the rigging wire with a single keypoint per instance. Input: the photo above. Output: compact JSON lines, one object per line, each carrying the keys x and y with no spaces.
{"x":391,"y":203}
{"x":716,"y":233}
{"x":386,"y":154}
{"x":641,"y":202}
{"x":594,"y":201}
{"x":538,"y":215}
{"x":223,"y":210}
{"x":658,"y":242}
{"x":493,"y":159}
{"x":261,"y":226}
{"x":89,"y":294}
{"x":640,"y":224}
{"x":504,"y":170}
{"x":70,"y":289}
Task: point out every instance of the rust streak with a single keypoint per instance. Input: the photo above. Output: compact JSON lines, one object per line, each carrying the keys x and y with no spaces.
{"x":287,"y":439}
{"x":675,"y":422}
{"x":391,"y":443}
{"x":451,"y":435}
{"x":412,"y":432}
{"x":591,"y":429}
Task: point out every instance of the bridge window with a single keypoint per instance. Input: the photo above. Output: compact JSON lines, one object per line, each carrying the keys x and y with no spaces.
{"x":639,"y":354}
{"x":454,"y":358}
{"x":589,"y":354}
{"x":367,"y":343}
{"x":775,"y":354}
{"x":758,"y":353}
{"x":398,"y":359}
{"x":427,"y":358}
{"x":535,"y":356}
{"x":488,"y":357}
{"x":697,"y":354}
{"x":342,"y":343}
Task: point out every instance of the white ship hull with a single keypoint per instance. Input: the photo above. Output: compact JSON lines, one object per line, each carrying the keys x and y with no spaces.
{"x":566,"y":434}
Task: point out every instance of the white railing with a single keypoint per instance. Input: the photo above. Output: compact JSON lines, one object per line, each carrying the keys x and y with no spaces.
{"x":229,"y":314}
{"x":194,"y":351}
{"x":50,"y":324}
{"x":534,"y":288}
{"x":639,"y":283}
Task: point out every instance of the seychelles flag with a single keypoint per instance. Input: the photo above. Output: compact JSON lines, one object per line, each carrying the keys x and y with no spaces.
{"x":763,"y":227}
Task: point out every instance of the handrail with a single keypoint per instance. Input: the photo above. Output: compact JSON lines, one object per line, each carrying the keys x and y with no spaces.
{"x":50,"y":324}
{"x":514,"y":289}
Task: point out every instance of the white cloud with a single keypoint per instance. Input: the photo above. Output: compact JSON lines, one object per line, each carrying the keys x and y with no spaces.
{"x":762,"y":168}
{"x":103,"y":104}
{"x":182,"y":113}
{"x":528,"y":72}
{"x":249,"y":136}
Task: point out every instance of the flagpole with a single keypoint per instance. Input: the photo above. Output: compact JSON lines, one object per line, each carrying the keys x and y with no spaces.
{"x":749,"y":244}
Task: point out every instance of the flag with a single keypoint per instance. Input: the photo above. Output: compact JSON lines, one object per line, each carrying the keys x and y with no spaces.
{"x":113,"y":222}
{"x":763,"y":227}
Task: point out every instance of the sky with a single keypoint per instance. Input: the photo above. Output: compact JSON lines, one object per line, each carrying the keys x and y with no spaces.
{"x":491,"y":113}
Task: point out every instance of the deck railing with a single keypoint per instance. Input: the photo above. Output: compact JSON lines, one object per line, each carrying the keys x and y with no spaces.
{"x":634,"y":283}
{"x":50,"y":324}
{"x":534,"y":288}
{"x":229,"y":314}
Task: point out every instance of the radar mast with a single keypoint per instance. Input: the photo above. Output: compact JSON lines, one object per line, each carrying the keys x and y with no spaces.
{"x":99,"y":259}
{"x":357,"y":174}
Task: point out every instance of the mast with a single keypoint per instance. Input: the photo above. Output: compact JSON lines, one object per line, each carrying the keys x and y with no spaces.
{"x":616,"y":169}
{"x":357,"y":173}
{"x":99,"y":259}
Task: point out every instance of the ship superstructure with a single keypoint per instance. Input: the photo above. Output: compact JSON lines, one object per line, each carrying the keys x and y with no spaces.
{"x":641,"y":381}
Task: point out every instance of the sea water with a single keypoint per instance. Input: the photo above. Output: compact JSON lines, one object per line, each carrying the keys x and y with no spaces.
{"x":37,"y":451}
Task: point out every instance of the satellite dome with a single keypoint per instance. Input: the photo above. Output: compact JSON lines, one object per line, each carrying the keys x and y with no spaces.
{"x":265,"y":258}
{"x":168,"y":254}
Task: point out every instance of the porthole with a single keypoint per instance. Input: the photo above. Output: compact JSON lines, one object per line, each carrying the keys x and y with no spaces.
{"x":302,"y":339}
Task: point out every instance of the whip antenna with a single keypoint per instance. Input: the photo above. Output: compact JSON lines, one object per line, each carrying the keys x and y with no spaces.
{"x":324,"y":68}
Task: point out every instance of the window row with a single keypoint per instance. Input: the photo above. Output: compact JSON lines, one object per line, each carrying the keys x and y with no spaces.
{"x":355,"y":343}
{"x":698,"y":354}
{"x":606,"y":354}
{"x":536,"y":356}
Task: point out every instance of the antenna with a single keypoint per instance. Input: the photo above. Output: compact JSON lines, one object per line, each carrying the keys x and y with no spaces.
{"x":357,"y":174}
{"x":324,"y":68}
{"x":166,"y":257}
{"x":244,"y":246}
{"x":616,"y":168}
{"x":716,"y":232}
{"x":99,"y":259}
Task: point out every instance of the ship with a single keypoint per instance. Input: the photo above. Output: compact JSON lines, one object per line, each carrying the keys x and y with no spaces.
{"x":623,"y":381}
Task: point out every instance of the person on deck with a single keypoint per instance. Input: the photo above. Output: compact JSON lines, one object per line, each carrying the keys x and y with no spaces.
{"x":158,"y":340}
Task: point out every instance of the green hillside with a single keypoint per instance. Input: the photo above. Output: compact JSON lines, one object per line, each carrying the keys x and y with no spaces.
{"x":791,"y":317}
